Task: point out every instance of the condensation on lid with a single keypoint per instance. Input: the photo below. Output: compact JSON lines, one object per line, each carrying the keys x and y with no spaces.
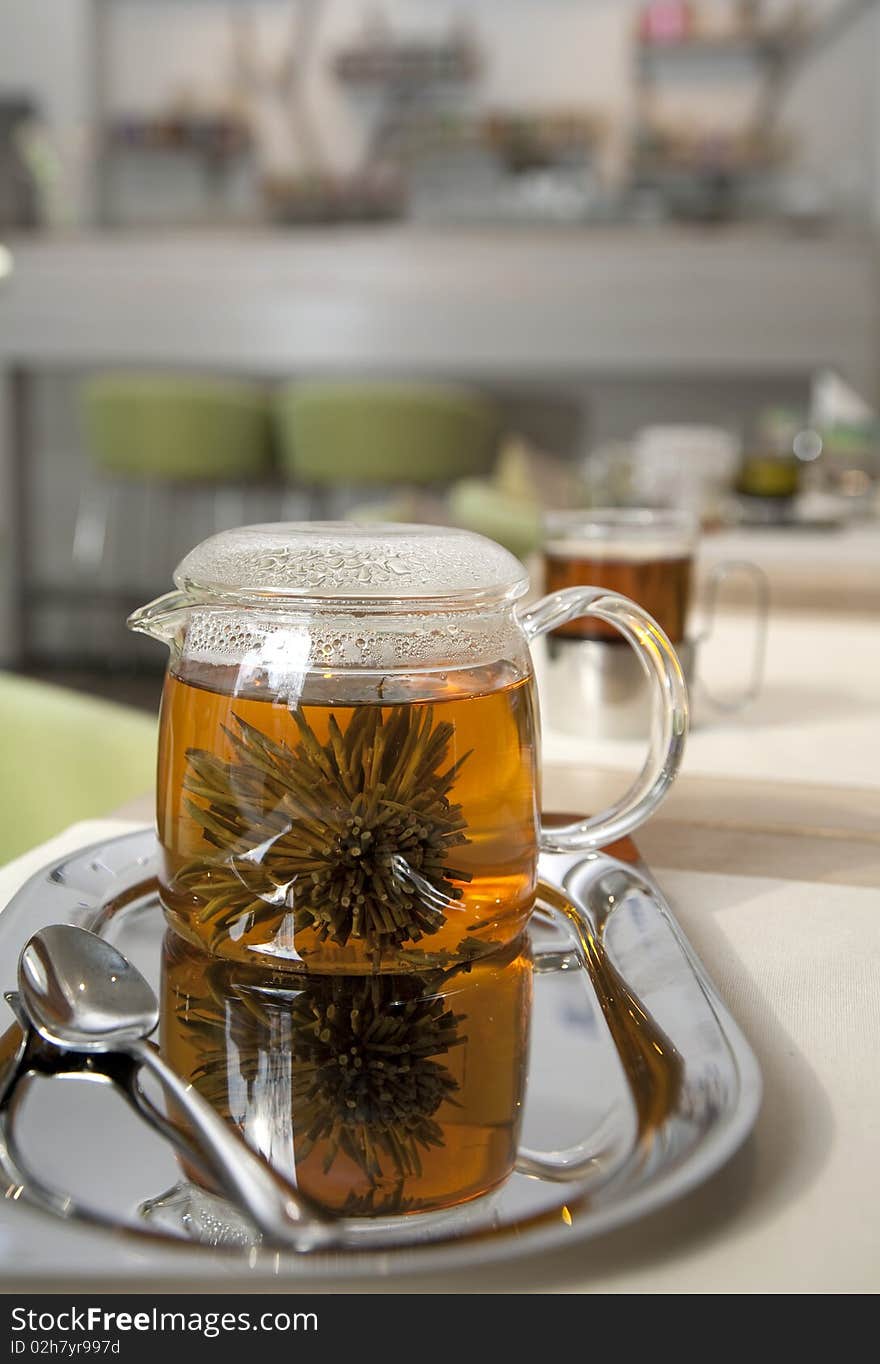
{"x":343,"y":561}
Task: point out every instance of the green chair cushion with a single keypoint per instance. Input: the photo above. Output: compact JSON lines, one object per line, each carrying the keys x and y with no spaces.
{"x":515,"y":522}
{"x":66,"y":757}
{"x":153,"y":427}
{"x":333,"y":434}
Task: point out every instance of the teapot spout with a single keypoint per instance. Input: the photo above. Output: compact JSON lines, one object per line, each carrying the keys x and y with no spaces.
{"x":161,"y":619}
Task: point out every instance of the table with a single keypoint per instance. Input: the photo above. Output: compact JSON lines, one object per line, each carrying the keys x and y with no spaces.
{"x":808,"y":570}
{"x":797,"y":775}
{"x":797,"y":1209}
{"x":775,"y":881}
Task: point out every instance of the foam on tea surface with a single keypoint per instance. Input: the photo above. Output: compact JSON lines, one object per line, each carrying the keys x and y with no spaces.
{"x":644,"y":550}
{"x":282,"y":647}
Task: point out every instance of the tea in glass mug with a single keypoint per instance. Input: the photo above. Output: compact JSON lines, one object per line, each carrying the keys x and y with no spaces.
{"x":349,"y":774}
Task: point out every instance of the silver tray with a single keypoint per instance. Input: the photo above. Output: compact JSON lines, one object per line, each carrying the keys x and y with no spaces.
{"x":640,"y":1085}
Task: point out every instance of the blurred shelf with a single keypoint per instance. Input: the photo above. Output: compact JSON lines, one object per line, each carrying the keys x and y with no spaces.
{"x":784,"y":49}
{"x":315,"y":200}
{"x":769,"y":48}
{"x":212,"y":138}
{"x":407,"y":65}
{"x":664,"y":168}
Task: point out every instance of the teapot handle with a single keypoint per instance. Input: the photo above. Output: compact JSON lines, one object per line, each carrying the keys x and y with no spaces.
{"x":668,"y":732}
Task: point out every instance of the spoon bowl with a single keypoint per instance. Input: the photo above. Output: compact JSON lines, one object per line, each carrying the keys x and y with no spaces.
{"x":80,"y":993}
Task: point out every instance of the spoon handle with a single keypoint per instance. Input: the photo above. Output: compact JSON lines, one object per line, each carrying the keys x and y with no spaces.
{"x":284,"y":1215}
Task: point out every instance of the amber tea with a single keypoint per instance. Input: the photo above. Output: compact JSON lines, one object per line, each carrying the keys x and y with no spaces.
{"x":376,"y":1095}
{"x":392,"y":832}
{"x":662,"y":587}
{"x":643,"y":559}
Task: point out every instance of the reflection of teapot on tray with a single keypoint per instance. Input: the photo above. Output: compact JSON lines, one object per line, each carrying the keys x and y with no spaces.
{"x":375,"y":1094}
{"x":388,"y":1094}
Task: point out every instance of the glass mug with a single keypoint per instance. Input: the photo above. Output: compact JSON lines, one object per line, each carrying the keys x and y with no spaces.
{"x":592,"y":685}
{"x":349,"y":744}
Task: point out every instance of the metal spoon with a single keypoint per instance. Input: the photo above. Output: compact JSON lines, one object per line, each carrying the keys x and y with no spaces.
{"x":82,"y":995}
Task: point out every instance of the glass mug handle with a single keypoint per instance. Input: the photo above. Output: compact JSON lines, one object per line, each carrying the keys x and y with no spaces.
{"x":666,"y":745}
{"x":721,"y":574}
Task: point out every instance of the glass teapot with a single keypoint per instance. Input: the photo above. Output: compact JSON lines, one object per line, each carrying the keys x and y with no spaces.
{"x":349,"y":744}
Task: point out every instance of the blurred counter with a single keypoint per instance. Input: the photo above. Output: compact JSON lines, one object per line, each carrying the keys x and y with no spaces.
{"x":808,"y":570}
{"x":530,"y":303}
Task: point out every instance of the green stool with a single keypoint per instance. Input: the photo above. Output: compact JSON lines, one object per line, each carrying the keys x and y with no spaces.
{"x":480,"y":505}
{"x":170,"y":430}
{"x":332,"y":434}
{"x":66,"y":757}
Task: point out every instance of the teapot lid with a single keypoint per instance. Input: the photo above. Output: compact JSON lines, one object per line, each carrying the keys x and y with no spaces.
{"x":338,"y":561}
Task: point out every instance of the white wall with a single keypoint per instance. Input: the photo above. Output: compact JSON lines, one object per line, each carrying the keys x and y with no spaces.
{"x":833,"y":106}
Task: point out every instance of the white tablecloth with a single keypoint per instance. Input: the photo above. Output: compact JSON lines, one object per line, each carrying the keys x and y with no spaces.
{"x":798,"y":1210}
{"x":817,"y":719}
{"x":840,"y":569}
